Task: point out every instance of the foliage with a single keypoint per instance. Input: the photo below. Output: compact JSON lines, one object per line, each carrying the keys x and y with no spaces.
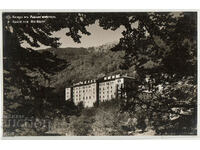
{"x":167,"y":42}
{"x":85,"y":64}
{"x":162,"y":46}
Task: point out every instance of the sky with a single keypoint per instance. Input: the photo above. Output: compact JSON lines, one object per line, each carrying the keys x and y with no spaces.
{"x":98,"y":37}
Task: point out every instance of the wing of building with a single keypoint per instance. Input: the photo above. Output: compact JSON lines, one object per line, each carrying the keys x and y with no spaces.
{"x":104,"y":89}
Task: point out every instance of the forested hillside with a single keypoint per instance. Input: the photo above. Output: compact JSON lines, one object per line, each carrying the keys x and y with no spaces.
{"x":86,"y":63}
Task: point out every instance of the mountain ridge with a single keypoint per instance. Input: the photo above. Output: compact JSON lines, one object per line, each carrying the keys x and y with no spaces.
{"x":101,"y":48}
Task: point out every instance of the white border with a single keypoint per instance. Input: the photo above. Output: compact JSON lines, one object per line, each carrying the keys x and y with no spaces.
{"x":97,"y":10}
{"x":106,"y":4}
{"x":198,"y":71}
{"x":1,"y":76}
{"x":97,"y":137}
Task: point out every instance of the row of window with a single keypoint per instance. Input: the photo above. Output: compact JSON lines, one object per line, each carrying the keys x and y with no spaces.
{"x":103,"y":100}
{"x":80,"y":91}
{"x":85,"y":102}
{"x":104,"y":88}
{"x":107,"y":92}
{"x":108,"y":96}
{"x":85,"y":87}
{"x":112,"y":82}
{"x":100,"y":93}
{"x":90,"y":97}
{"x":79,"y":95}
{"x":94,"y":92}
{"x":106,"y":83}
{"x":86,"y":97}
{"x":78,"y":101}
{"x":104,"y":92}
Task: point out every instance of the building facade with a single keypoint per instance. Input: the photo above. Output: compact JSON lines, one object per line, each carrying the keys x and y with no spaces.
{"x":96,"y":91}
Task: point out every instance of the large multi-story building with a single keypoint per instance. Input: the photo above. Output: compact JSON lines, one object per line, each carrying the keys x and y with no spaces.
{"x":100,"y":90}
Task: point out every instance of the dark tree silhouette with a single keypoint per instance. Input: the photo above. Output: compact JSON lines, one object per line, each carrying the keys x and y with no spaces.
{"x":160,"y":45}
{"x":27,"y":72}
{"x":163,"y":46}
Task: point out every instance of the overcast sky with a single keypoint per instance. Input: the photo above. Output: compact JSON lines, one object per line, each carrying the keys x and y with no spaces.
{"x":98,"y":37}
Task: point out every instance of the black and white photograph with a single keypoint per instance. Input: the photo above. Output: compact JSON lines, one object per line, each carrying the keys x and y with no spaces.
{"x":100,"y":73}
